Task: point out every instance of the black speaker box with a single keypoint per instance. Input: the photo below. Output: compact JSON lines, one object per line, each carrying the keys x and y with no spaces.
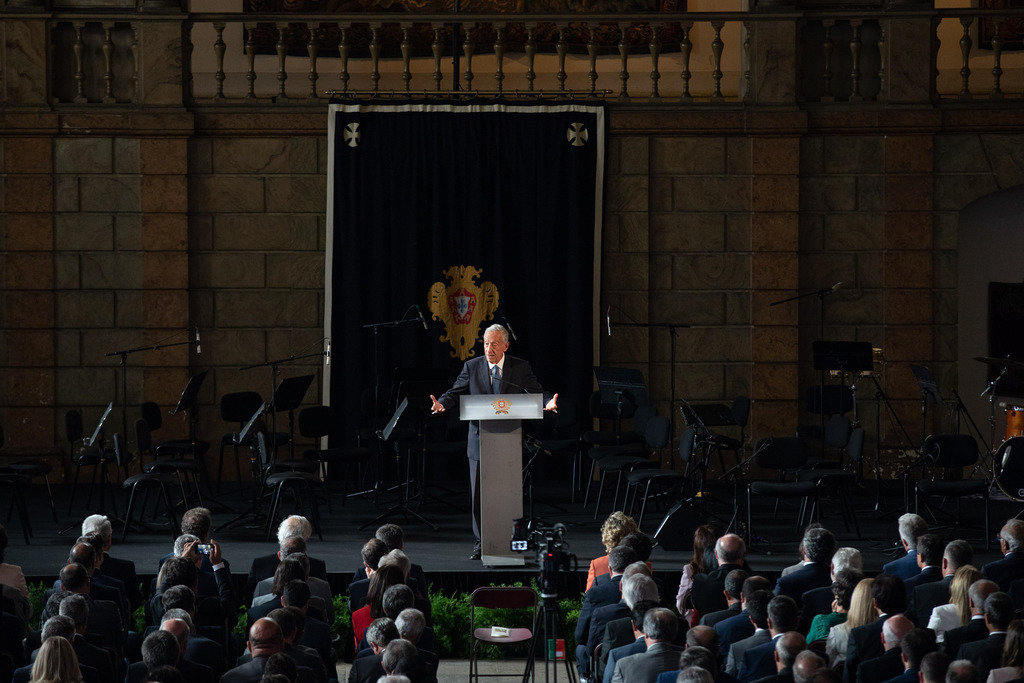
{"x":676,"y":531}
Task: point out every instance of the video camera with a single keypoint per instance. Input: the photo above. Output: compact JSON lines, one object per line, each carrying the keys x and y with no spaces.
{"x":552,"y":550}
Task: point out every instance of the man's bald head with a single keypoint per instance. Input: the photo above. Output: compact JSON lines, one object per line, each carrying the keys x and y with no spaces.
{"x":179,"y":629}
{"x":265,"y":638}
{"x":730,"y":549}
{"x":894,"y":629}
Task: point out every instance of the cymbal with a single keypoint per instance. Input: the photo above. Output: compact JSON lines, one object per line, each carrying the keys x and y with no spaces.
{"x":1000,"y":362}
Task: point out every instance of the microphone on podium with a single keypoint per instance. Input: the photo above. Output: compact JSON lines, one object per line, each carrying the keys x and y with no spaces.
{"x":608,"y":318}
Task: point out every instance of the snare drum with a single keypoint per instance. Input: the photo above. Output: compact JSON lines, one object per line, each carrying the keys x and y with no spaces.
{"x":1014,"y":422}
{"x":1010,"y":465}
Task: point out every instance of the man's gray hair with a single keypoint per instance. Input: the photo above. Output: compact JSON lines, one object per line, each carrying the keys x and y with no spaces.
{"x":805,"y":665}
{"x":789,"y":646}
{"x":381,"y":631}
{"x":59,"y":626}
{"x":181,"y":541}
{"x":694,"y":674}
{"x":180,"y":615}
{"x":979,"y":591}
{"x":393,"y":678}
{"x":962,"y":671}
{"x":76,"y":606}
{"x":847,"y":558}
{"x":97,"y":524}
{"x":661,"y":624}
{"x":296,"y":525}
{"x":639,"y":587}
{"x":819,"y":545}
{"x":911,"y":528}
{"x":638,"y":567}
{"x":1013,"y":533}
{"x":396,"y":650}
{"x":399,"y":559}
{"x":498,"y":328}
{"x":410,"y":623}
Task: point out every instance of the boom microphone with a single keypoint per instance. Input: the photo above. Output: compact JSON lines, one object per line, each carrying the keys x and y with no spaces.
{"x":422,"y":319}
{"x":608,"y":317}
{"x":510,"y":330}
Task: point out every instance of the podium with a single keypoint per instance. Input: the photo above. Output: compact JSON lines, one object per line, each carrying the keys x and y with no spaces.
{"x":501,"y":467}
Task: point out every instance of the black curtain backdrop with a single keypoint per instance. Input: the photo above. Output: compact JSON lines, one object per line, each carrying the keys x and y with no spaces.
{"x":416,"y":189}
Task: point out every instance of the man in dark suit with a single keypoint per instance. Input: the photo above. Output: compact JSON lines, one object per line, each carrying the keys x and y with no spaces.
{"x":913,"y":648}
{"x":265,"y":640}
{"x":295,"y":526}
{"x":707,"y":593}
{"x":76,"y":608}
{"x":372,"y":551}
{"x":787,"y":647}
{"x":662,"y":654}
{"x":411,"y":625}
{"x":1011,"y":566}
{"x":609,"y":593}
{"x":975,"y":629}
{"x":740,"y":626}
{"x":911,"y":527}
{"x":638,"y":644}
{"x":195,"y":647}
{"x":639,"y":596}
{"x":929,"y":558}
{"x":493,"y":373}
{"x":889,"y":597}
{"x":819,"y":600}
{"x":733,"y":592}
{"x":818,"y":547}
{"x":314,"y":633}
{"x":759,"y":661}
{"x":986,"y":654}
{"x":927,"y":596}
{"x":640,"y":587}
{"x":379,"y":633}
{"x":757,"y":607}
{"x":393,"y":538}
{"x":890,"y":663}
{"x":116,"y":567}
{"x":162,"y":648}
{"x":104,"y":616}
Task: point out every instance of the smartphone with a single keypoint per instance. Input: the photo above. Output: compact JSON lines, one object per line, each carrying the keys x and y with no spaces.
{"x":204,"y":548}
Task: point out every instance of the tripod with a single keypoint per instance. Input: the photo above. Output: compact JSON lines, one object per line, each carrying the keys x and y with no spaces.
{"x":553,"y":626}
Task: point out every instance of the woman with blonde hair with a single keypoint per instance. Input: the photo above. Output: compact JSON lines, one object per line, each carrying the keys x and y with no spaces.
{"x":957,"y":612}
{"x":860,"y":613}
{"x":615,"y":528}
{"x":1013,"y":655}
{"x":56,"y":663}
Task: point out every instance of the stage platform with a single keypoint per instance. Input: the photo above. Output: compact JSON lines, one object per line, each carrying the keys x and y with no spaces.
{"x":444,"y":553}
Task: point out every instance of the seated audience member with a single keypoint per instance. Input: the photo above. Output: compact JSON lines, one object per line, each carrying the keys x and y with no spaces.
{"x":182,"y":631}
{"x":703,"y":561}
{"x":609,"y":593}
{"x":121,"y":569}
{"x":842,"y":592}
{"x":787,"y":647}
{"x":975,"y":628}
{"x":1012,"y":662}
{"x":818,"y":547}
{"x":613,"y":530}
{"x":411,"y":625}
{"x":925,"y":597}
{"x":911,"y":527}
{"x":800,"y":549}
{"x":806,"y":665}
{"x":372,"y":551}
{"x":270,"y":589}
{"x":757,"y":608}
{"x":956,"y":612}
{"x":861,"y":612}
{"x":265,"y":641}
{"x":166,"y":674}
{"x":379,"y":633}
{"x":303,"y":656}
{"x":400,"y":657}
{"x":281,"y":665}
{"x":160,"y":648}
{"x":930,"y":548}
{"x":913,"y":648}
{"x":56,"y":661}
{"x":733,"y":598}
{"x":382,"y":579}
{"x":759,"y":661}
{"x":393,"y":538}
{"x":196,"y":647}
{"x":987,"y":653}
{"x":694,"y":674}
{"x":933,"y":667}
{"x":104,"y":616}
{"x":662,"y":653}
{"x":294,"y":527}
{"x":961,"y":671}
{"x":889,"y":598}
{"x":1011,"y":566}
{"x":707,"y":592}
{"x":215,"y":584}
{"x":638,"y":589}
{"x":890,"y":663}
{"x":57,"y":628}
{"x":737,"y":628}
{"x":316,"y":633}
{"x":637,"y":615}
{"x":84,"y":553}
{"x":637,"y":578}
{"x":76,"y":608}
{"x":819,"y":600}
{"x":696,"y":657}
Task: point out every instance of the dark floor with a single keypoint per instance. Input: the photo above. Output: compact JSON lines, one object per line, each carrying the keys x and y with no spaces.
{"x":444,"y":552}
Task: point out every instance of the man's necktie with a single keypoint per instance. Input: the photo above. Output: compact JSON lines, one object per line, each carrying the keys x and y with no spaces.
{"x":496,"y":381}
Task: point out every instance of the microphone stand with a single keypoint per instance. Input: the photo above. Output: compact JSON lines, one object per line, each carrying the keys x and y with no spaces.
{"x":272,"y":364}
{"x":376,"y":358}
{"x":736,"y":473}
{"x":672,"y":329}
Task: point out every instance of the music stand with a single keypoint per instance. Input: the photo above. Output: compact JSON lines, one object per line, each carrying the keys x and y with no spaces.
{"x":244,"y":439}
{"x":621,"y":386}
{"x":287,"y":397}
{"x":91,"y":441}
{"x":929,"y":394}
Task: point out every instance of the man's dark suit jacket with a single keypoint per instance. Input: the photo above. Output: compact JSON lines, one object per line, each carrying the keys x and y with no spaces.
{"x":865,"y":643}
{"x":888,"y":665}
{"x":193,"y":672}
{"x":1005,"y":570}
{"x":218,"y":585}
{"x":974,"y":629}
{"x":737,"y":651}
{"x":124,"y":570}
{"x":252,"y":672}
{"x":96,"y":657}
{"x":517,"y":377}
{"x":925,"y":597}
{"x":733,"y":630}
{"x":264,"y":567}
{"x":811,"y":575}
{"x":816,"y":601}
{"x":904,"y":567}
{"x":923,"y":577}
{"x":785,"y":675}
{"x":706,"y":594}
{"x":758,"y":662}
{"x":599,"y":622}
{"x":202,"y":650}
{"x":598,"y":596}
{"x":116,"y":585}
{"x":908,"y":676}
{"x":617,"y":633}
{"x":364,"y":670}
{"x":986,"y":654}
{"x":317,"y":635}
{"x":721,"y":615}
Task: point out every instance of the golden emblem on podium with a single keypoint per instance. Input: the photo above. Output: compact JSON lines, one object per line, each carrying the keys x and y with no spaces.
{"x":462,"y":305}
{"x":501,"y":405}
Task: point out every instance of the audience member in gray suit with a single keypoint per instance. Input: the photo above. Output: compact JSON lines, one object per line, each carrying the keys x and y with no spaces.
{"x":662,"y":654}
{"x":757,"y":607}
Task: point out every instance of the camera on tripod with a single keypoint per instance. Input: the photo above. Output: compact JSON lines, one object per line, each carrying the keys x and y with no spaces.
{"x":551,"y":547}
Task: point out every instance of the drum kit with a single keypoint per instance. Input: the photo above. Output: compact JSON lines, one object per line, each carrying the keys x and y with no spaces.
{"x":1009,"y":457}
